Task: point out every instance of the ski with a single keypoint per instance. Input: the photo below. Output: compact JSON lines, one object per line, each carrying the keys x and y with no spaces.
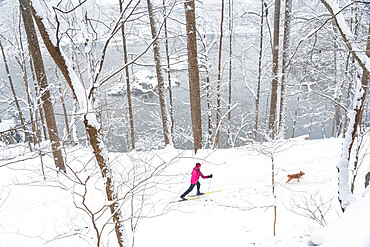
{"x":194,"y":197}
{"x":204,"y":194}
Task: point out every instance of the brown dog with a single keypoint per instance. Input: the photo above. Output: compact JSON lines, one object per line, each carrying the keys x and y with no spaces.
{"x":295,"y":176}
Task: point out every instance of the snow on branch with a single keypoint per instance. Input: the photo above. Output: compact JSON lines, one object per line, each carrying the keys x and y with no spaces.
{"x":347,"y":34}
{"x":344,"y":193}
{"x":64,"y":64}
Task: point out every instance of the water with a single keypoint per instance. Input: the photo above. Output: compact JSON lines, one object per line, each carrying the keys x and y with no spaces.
{"x":147,"y":120}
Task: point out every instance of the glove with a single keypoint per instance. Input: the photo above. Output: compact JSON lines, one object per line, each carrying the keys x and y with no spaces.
{"x":210,"y":176}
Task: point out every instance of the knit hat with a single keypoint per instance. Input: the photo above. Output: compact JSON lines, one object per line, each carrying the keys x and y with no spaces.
{"x":198,"y":164}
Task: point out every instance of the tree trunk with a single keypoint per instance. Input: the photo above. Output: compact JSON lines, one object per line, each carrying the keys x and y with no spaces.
{"x":195,"y":106}
{"x":207,"y":87}
{"x":345,"y":196}
{"x":367,"y":179}
{"x":22,"y":63}
{"x":65,"y":114}
{"x":338,"y":87}
{"x":218,"y":111}
{"x":43,"y":85}
{"x":38,"y":110}
{"x":230,"y":70}
{"x":351,"y":135}
{"x":168,"y":72}
{"x":351,"y":68}
{"x":364,"y":82}
{"x":255,"y":130}
{"x":275,"y":69}
{"x":128,"y":87}
{"x":295,"y":116}
{"x":284,"y":75}
{"x":158,"y":68}
{"x":273,"y":191}
{"x":40,"y":113}
{"x":73,"y":122}
{"x":91,"y":126}
{"x":209,"y":109}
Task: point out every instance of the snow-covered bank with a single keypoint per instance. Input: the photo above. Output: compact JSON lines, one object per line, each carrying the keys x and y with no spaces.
{"x":351,"y":229}
{"x":35,"y":212}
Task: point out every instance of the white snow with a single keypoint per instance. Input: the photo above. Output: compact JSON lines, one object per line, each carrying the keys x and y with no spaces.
{"x":144,"y":81}
{"x":355,"y":222}
{"x":37,"y":212}
{"x":6,"y":124}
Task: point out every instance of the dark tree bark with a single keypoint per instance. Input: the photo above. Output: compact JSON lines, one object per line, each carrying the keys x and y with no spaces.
{"x":195,"y":106}
{"x":275,"y":70}
{"x":39,"y":68}
{"x":367,"y":180}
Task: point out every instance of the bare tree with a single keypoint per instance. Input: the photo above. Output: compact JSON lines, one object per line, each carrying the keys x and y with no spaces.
{"x":127,"y":76}
{"x":137,"y":182}
{"x":313,"y":206}
{"x":338,"y":84}
{"x":204,"y":51}
{"x":345,"y":196}
{"x":218,"y":110}
{"x":231,"y":10}
{"x":16,"y":101}
{"x":21,"y":60}
{"x":158,"y":68}
{"x":271,"y":148}
{"x":90,"y":123}
{"x":43,"y":84}
{"x":275,"y":69}
{"x":360,"y":155}
{"x":284,"y":69}
{"x":65,"y":114}
{"x":166,"y":43}
{"x":350,"y":64}
{"x":195,"y":106}
{"x":255,"y":129}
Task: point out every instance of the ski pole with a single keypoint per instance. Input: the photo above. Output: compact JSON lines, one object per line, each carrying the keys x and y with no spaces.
{"x":209,"y":184}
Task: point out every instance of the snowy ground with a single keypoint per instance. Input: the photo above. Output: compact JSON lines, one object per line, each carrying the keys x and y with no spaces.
{"x":38,"y":212}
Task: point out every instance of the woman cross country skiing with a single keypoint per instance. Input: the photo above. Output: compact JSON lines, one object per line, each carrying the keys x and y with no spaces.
{"x":194,"y":180}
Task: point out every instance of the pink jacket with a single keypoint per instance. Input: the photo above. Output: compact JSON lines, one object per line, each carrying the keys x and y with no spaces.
{"x":196,"y":174}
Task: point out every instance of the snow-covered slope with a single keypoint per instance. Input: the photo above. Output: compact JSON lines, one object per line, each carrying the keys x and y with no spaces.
{"x":38,"y":212}
{"x":351,"y":229}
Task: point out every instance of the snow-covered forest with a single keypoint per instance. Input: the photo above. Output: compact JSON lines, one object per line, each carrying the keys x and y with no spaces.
{"x":107,"y":105}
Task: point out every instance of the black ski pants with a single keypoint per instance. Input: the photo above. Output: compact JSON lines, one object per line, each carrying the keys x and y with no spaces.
{"x":191,"y":188}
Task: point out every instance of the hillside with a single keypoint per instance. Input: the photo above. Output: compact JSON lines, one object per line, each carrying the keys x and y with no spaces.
{"x":38,"y":212}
